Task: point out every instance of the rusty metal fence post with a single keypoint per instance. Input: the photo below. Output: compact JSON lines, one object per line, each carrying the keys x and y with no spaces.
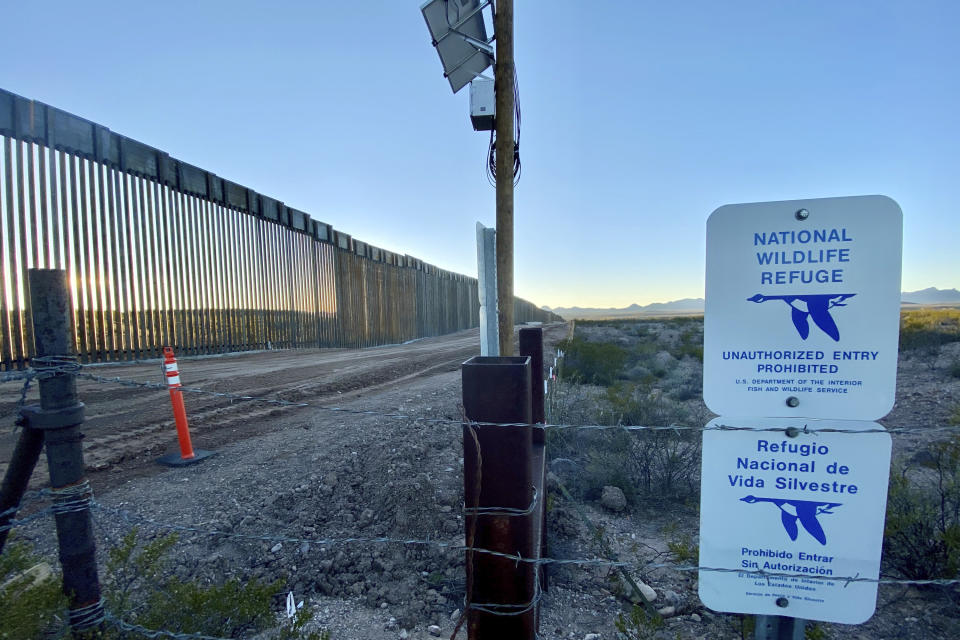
{"x":531,"y":345}
{"x":503,"y":496}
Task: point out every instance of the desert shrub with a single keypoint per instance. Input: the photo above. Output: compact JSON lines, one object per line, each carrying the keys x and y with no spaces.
{"x":602,"y":322}
{"x":228,"y":609}
{"x":689,"y":388}
{"x":683,"y":321}
{"x":926,"y":330}
{"x":684,"y":550}
{"x":651,"y":465}
{"x":638,"y":624}
{"x":641,"y":331}
{"x":814,"y":632}
{"x":606,"y":463}
{"x":592,"y":362}
{"x":568,"y":402}
{"x":632,"y":403}
{"x":139,"y":585}
{"x":646,"y":465}
{"x":644,"y":351}
{"x":31,"y":606}
{"x":922,"y":531}
{"x":665,"y":465}
{"x":690,"y":345}
{"x":295,"y":628}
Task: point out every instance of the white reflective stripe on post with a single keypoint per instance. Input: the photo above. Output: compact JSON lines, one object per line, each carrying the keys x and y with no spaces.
{"x":170,"y":367}
{"x":545,"y":383}
{"x":173,"y":380}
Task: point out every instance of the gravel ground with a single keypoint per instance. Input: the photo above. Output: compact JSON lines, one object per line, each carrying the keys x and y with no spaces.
{"x":301,"y":481}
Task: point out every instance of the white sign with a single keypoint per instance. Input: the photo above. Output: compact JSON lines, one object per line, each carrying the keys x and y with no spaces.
{"x":808,"y":511}
{"x":803,"y":308}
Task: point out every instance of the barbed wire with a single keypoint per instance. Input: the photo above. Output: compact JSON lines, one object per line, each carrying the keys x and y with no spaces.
{"x":22,"y":400}
{"x":72,"y":498}
{"x":95,"y":613}
{"x":156,"y":633}
{"x":133,"y":518}
{"x":520,"y":609}
{"x":760,"y":573}
{"x":19,"y":522}
{"x":506,"y":511}
{"x":515,"y":557}
{"x":543,"y":426}
{"x":74,"y":368}
{"x":87,"y":617}
{"x":511,"y":609}
{"x":13,"y":376}
{"x":80,"y":498}
{"x":27,"y":498}
{"x":42,"y":367}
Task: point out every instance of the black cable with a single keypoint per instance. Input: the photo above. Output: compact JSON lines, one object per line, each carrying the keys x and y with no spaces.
{"x":492,"y":159}
{"x":516,"y":115}
{"x":491,"y":150}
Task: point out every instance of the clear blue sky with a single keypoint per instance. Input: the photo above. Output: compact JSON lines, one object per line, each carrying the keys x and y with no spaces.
{"x":639,"y":119}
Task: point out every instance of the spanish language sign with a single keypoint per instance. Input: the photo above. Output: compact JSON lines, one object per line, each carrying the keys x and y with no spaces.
{"x":788,"y":520}
{"x":802,"y":308}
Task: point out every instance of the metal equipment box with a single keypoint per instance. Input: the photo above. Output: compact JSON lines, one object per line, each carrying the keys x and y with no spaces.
{"x":482,"y":104}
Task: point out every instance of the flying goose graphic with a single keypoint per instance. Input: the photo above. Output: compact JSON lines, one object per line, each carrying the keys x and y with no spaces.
{"x":817,"y":307}
{"x":805,"y":511}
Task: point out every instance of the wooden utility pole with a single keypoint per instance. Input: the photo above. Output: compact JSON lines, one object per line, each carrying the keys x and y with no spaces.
{"x":504,"y":86}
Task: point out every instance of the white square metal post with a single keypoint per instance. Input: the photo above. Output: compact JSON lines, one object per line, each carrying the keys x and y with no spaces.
{"x":487,"y":289}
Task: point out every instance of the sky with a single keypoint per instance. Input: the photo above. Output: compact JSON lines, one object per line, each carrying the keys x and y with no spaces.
{"x":638,"y":120}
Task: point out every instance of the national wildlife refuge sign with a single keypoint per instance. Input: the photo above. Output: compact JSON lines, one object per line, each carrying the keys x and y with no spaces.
{"x":809,"y":507}
{"x":803,"y":302}
{"x":800,"y":345}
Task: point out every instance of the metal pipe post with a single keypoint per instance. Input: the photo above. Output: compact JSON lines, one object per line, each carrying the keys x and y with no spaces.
{"x":17,"y":477}
{"x":60,"y":415}
{"x":779,"y":628}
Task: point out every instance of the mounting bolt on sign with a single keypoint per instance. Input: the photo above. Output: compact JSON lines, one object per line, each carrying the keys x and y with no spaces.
{"x":187,"y":454}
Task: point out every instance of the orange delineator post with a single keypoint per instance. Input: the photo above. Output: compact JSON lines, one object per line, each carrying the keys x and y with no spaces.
{"x":187,"y":454}
{"x":176,"y":398}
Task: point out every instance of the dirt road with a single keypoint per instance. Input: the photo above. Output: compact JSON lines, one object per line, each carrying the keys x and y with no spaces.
{"x":127,"y":426}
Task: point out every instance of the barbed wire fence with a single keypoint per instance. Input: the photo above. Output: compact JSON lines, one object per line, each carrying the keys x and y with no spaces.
{"x":280,"y":402}
{"x":82,"y":497}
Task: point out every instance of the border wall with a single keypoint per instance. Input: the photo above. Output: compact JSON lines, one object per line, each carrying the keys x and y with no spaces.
{"x":160,"y":252}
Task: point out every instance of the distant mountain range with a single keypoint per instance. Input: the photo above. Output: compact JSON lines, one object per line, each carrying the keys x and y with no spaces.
{"x":930,"y":295}
{"x":684,"y":306}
